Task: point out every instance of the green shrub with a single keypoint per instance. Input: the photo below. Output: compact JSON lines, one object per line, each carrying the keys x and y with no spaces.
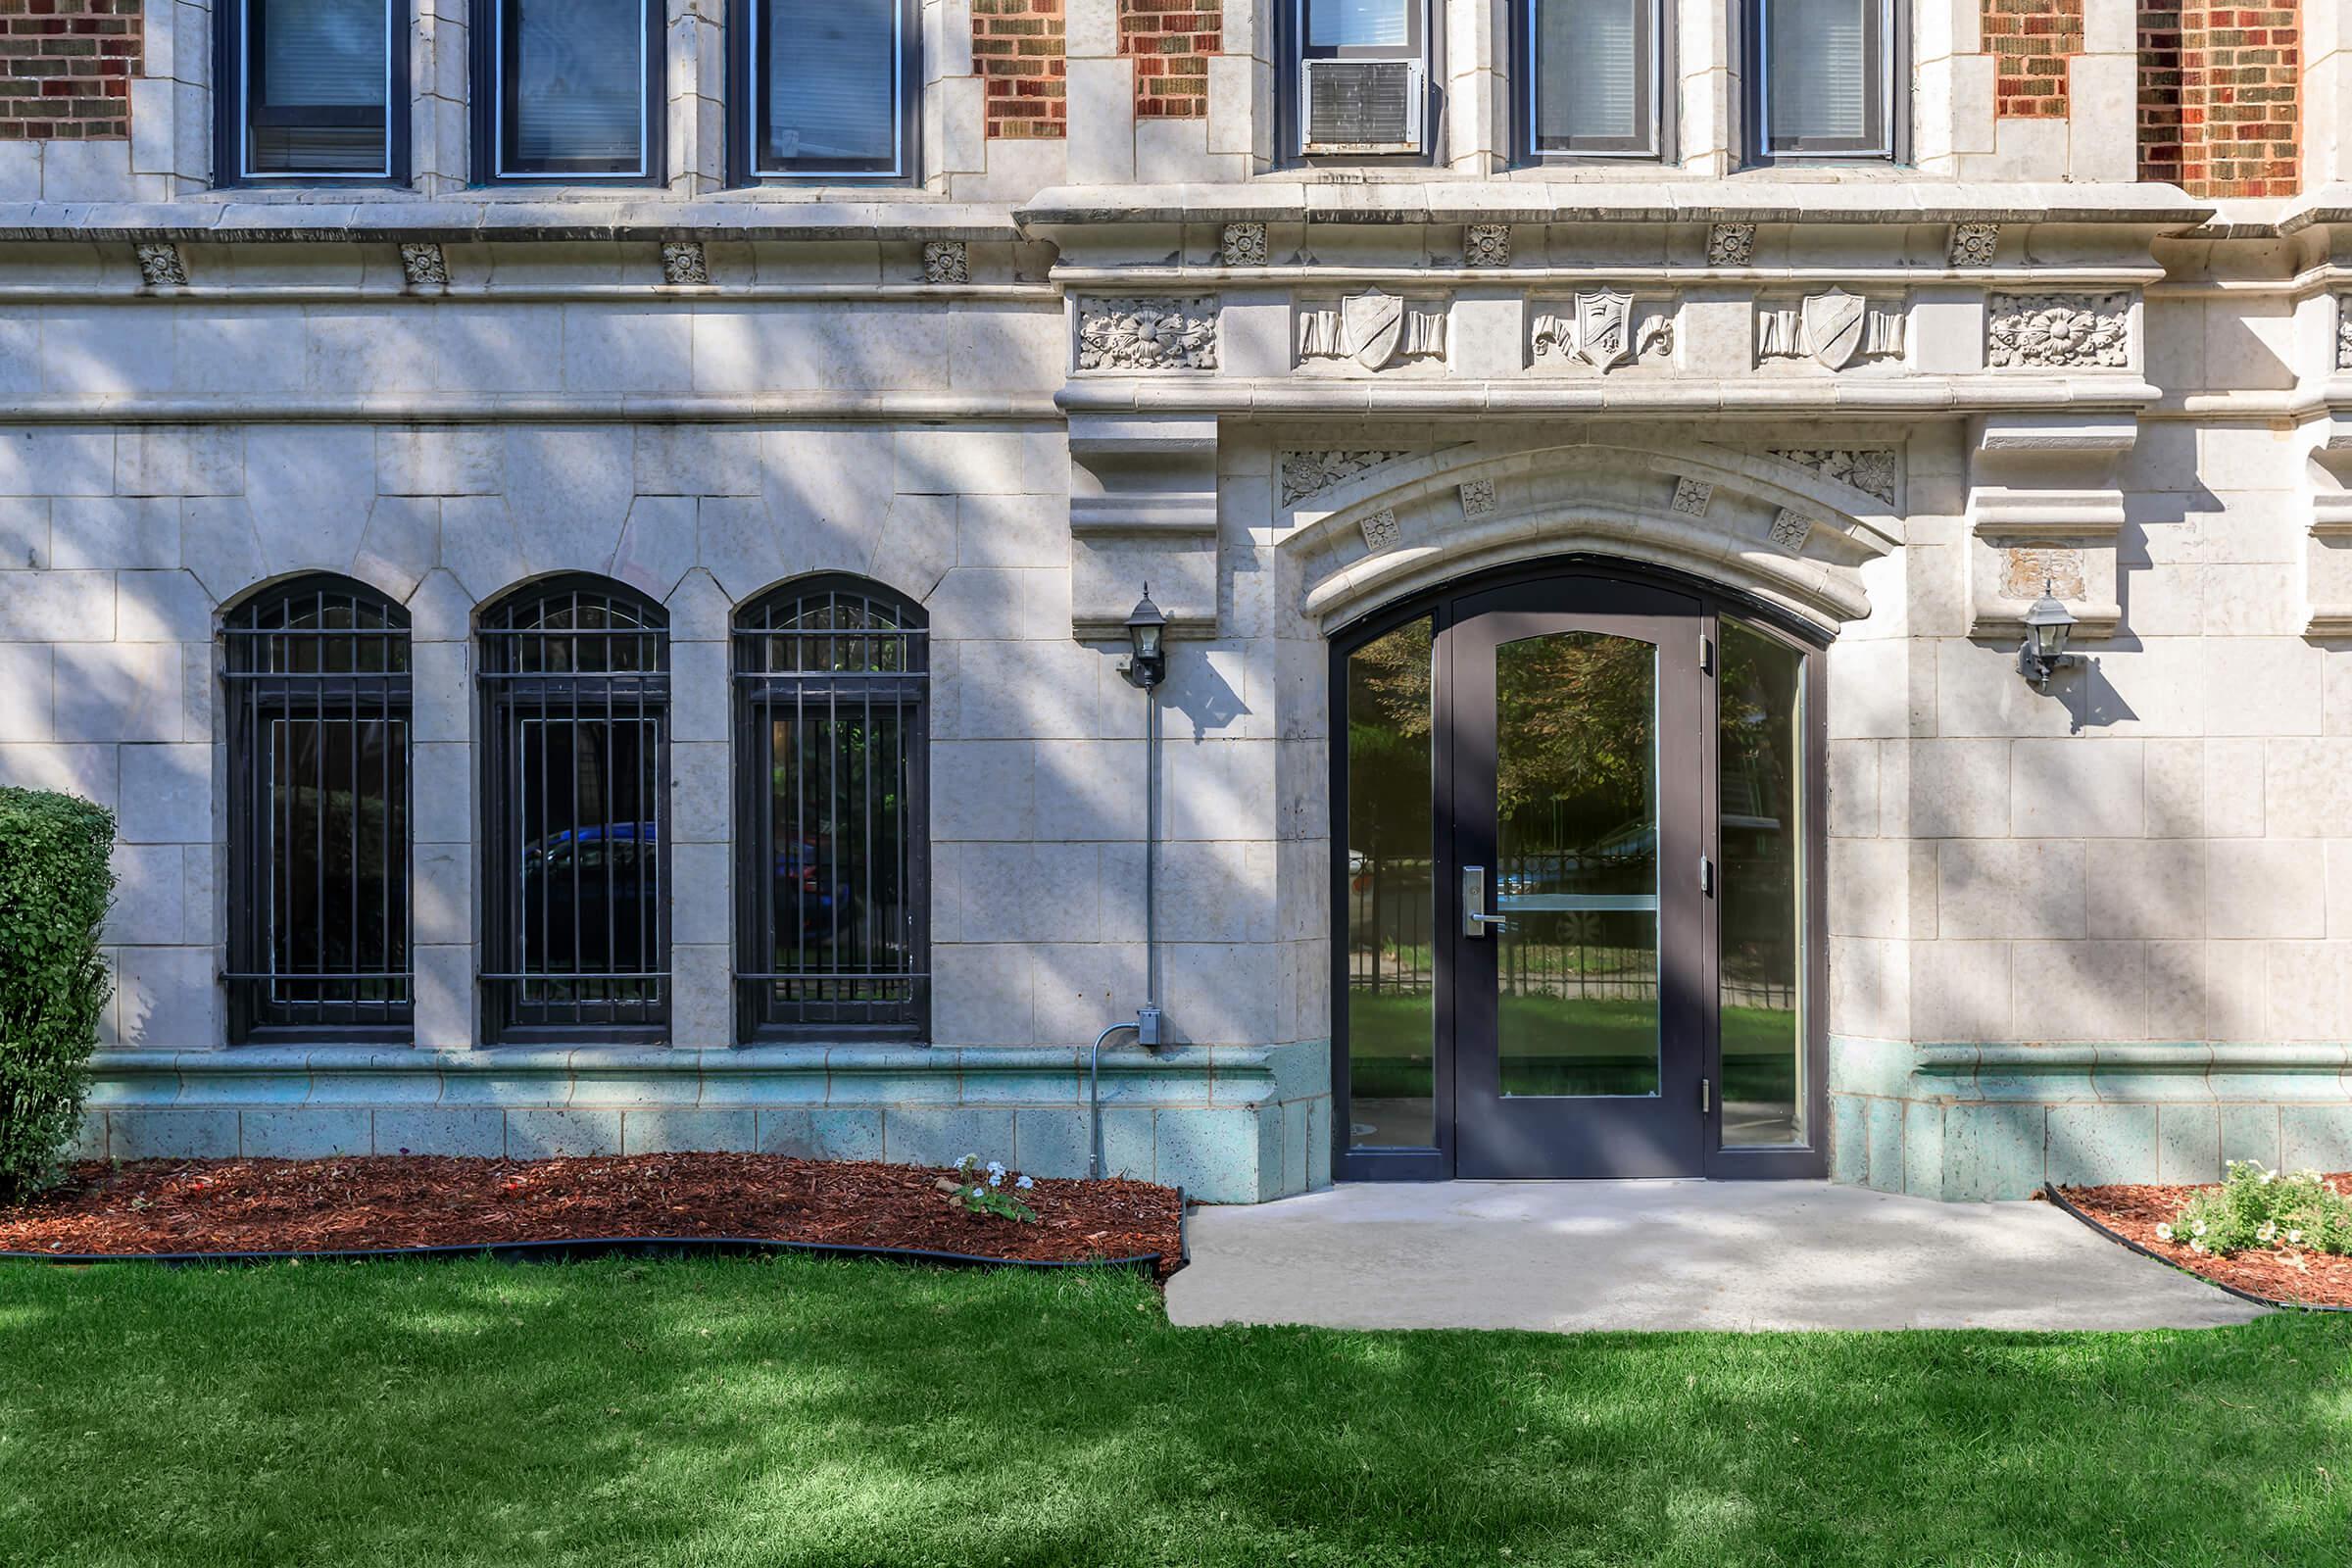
{"x":55,"y":881}
{"x":2257,"y":1208}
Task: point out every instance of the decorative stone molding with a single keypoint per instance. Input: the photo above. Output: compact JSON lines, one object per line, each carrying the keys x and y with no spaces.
{"x":1790,"y":528}
{"x":422,"y":263}
{"x":947,"y":260}
{"x":1381,"y":530}
{"x":1308,"y":473}
{"x":1871,"y":471}
{"x":1148,"y":334}
{"x":683,"y":262}
{"x":1731,"y":244}
{"x":1373,"y":329}
{"x":2059,"y":331}
{"x":160,"y":265}
{"x":1478,"y":497}
{"x":2328,"y":542}
{"x":1487,"y":245}
{"x":2343,"y":331}
{"x":2042,"y":487}
{"x":1833,"y":328}
{"x":1692,"y":496}
{"x":1142,"y":510}
{"x":2028,"y":570}
{"x":1244,"y":245}
{"x":1601,"y":328}
{"x":1974,"y":244}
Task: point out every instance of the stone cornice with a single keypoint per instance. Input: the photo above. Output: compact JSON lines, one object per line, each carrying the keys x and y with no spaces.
{"x":1297,"y":397}
{"x":225,"y":220}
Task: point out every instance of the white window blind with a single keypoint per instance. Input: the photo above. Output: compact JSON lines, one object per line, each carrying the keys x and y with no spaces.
{"x":578,"y":94}
{"x":1590,"y":63}
{"x":323,"y":52}
{"x":1359,"y":23}
{"x":831,"y":90}
{"x":1823,"y":71}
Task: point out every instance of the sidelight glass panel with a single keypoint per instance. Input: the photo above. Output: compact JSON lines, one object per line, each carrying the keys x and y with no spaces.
{"x":573,"y":90}
{"x":1576,"y":864}
{"x":1392,"y":975}
{"x":1759,"y":737}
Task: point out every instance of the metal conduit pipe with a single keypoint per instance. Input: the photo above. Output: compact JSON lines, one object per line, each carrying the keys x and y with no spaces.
{"x":1146,"y":667}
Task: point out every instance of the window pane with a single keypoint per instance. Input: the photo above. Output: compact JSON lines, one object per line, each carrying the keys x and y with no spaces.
{"x":1392,"y":988}
{"x":1590,"y":61}
{"x":317,"y":100}
{"x":1759,"y":738}
{"x":590,"y":874}
{"x":1823,"y":69}
{"x":1359,"y":23}
{"x":575,"y":86}
{"x":829,"y":96}
{"x":338,"y":918}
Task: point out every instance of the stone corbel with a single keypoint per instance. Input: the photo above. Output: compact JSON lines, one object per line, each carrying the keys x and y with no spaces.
{"x":2327,"y":545}
{"x":2043,"y":506}
{"x":1143,"y":511}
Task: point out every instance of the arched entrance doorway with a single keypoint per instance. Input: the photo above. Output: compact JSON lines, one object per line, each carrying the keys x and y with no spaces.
{"x":1577,"y":928}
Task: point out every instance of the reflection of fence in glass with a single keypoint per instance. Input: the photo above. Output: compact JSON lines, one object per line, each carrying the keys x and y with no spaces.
{"x":1389,"y":914}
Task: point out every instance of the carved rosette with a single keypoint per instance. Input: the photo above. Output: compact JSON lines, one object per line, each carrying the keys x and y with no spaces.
{"x":1871,"y":471}
{"x":160,"y":265}
{"x":1487,"y":244}
{"x":2343,"y":331}
{"x":1693,"y":497}
{"x":1790,"y":529}
{"x":683,"y":262}
{"x":1731,"y":244}
{"x":1308,"y":473}
{"x":1974,"y":244}
{"x":2059,"y":331}
{"x":1381,"y":530}
{"x":946,"y":261}
{"x":1244,"y":245}
{"x":1478,"y":497}
{"x":1148,"y":334}
{"x":422,"y":263}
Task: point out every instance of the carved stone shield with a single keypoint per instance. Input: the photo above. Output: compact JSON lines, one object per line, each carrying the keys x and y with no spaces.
{"x":1833,"y":325}
{"x":1374,"y":324}
{"x":1604,"y":328}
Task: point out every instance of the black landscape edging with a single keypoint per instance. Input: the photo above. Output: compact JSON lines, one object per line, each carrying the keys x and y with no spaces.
{"x":2050,"y":1190}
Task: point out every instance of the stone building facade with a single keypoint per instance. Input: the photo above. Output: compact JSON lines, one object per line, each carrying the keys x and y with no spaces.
{"x":2074,"y":324}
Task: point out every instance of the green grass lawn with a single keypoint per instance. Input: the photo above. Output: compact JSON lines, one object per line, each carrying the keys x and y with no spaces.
{"x":796,"y":1411}
{"x":1593,"y":1046}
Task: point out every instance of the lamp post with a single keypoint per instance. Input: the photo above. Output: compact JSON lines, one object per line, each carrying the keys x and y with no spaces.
{"x":1145,"y":667}
{"x":1146,"y":633}
{"x":2044,"y":652}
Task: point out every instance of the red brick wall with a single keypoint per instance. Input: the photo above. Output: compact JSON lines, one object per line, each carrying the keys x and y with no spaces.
{"x":66,"y":68}
{"x":2030,"y":41}
{"x":2220,"y":103}
{"x":1171,"y":41}
{"x":1018,"y":50}
{"x":2160,"y":90}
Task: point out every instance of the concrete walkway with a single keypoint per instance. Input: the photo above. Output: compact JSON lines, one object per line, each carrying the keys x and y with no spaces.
{"x":1567,"y":1256}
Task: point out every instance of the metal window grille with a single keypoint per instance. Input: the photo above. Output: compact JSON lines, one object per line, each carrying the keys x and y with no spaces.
{"x":575,"y":677}
{"x":317,"y":682}
{"x":833,"y":892}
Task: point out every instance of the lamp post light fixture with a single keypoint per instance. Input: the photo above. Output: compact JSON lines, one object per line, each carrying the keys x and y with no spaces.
{"x":2044,"y":652}
{"x":1147,"y":630}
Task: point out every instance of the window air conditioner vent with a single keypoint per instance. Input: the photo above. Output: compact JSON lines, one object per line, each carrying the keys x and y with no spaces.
{"x":1362,"y":106}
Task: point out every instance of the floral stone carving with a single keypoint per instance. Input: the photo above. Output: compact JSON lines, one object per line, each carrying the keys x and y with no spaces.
{"x":2343,"y":331}
{"x":1974,"y":244}
{"x":1148,"y":334}
{"x":160,"y":265}
{"x":1692,"y":496}
{"x":946,"y":261}
{"x":1244,"y":245}
{"x":1379,"y":530}
{"x":1869,"y":471}
{"x":1731,"y":244}
{"x":683,"y":262}
{"x":1307,"y":473}
{"x":2059,"y":331}
{"x":1478,"y":497}
{"x":1790,"y":528}
{"x":1487,"y":244}
{"x":422,"y":263}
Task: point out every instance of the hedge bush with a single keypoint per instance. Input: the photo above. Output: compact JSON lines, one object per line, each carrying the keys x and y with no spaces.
{"x":55,"y":883}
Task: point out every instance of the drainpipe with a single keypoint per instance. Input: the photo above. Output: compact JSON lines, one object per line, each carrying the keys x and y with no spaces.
{"x":1145,"y":667}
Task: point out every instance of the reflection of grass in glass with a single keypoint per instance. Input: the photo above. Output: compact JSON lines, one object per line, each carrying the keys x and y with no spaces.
{"x":1389,"y":1044}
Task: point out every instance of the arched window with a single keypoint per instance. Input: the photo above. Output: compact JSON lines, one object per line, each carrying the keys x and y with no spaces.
{"x":832,"y":811}
{"x":574,"y":675}
{"x":317,"y":684}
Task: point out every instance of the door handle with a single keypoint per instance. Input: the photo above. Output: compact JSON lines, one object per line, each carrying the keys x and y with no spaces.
{"x":1476,"y":922}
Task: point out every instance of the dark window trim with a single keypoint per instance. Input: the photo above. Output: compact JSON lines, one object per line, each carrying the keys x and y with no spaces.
{"x":748,"y":91}
{"x":236,"y":46}
{"x":1664,"y":96}
{"x":1894,"y":94}
{"x":503,"y":698}
{"x":753,"y":688}
{"x":491,"y":78}
{"x":256,"y":696}
{"x":1290,"y":121}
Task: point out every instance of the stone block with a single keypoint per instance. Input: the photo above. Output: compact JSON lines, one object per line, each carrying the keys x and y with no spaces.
{"x":2265,"y":888}
{"x":107,"y":533}
{"x":304,"y":1132}
{"x":1882,"y":1131}
{"x":1923,"y":1149}
{"x":438,"y":1130}
{"x":943,"y":1135}
{"x":1991,"y":1152}
{"x":2188,"y":1143}
{"x":822,"y":1134}
{"x":670,"y":1127}
{"x":120,"y":692}
{"x":561,"y":1134}
{"x":1226,"y":1155}
{"x":2250,"y":1132}
{"x":167,"y":795}
{"x":50,"y":607}
{"x":2011,"y":888}
{"x":2090,"y":1144}
{"x":171,"y":1135}
{"x":2081,"y":788}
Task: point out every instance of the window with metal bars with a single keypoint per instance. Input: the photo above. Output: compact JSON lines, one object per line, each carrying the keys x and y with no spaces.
{"x":832,"y":680}
{"x":317,"y":684}
{"x":575,"y":677}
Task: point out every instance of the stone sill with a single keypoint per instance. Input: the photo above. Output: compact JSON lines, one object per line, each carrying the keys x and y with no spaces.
{"x":230,"y":217}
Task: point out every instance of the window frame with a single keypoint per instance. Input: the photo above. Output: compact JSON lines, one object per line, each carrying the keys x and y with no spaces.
{"x":491,"y":107}
{"x":237,"y":41}
{"x":1660,"y":96}
{"x":1892,"y":95}
{"x":506,"y":698}
{"x":256,"y":698}
{"x":747,"y":92}
{"x":1425,"y":48}
{"x":756,"y":688}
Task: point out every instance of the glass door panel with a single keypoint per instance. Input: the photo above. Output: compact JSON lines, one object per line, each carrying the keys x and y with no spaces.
{"x":1389,"y":895}
{"x":1759,"y":761}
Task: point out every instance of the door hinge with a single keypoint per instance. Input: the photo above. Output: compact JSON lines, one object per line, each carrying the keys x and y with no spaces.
{"x":1706,"y":1096}
{"x":1707,"y":877}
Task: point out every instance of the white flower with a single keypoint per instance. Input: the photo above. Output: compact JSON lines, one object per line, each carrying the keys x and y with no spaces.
{"x":2295,"y":1238}
{"x":2197,"y":1247}
{"x":995,"y":1167}
{"x":2197,"y":1229}
{"x":996,"y":1178}
{"x":2164,"y":1233}
{"x":2269,"y":1230}
{"x":2269,"y":1176}
{"x":1023,"y":1183}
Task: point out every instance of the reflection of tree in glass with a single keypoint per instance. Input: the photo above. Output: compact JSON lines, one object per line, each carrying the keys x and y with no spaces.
{"x":1577,"y":711}
{"x":1388,"y":743}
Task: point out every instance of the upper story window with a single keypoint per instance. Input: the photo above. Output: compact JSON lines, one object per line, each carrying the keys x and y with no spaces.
{"x":317,"y":682}
{"x":1825,"y":78}
{"x":825,"y":88}
{"x":312,"y":89}
{"x":1363,"y":76}
{"x":1596,"y":78}
{"x":569,"y":90}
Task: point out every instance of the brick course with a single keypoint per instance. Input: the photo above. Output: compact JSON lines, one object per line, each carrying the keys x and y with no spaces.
{"x":1171,"y":42}
{"x":1018,"y":50}
{"x":66,"y":68}
{"x":2031,"y":42}
{"x":2220,"y":101}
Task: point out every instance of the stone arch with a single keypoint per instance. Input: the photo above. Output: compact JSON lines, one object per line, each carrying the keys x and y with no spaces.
{"x":1754,"y":524}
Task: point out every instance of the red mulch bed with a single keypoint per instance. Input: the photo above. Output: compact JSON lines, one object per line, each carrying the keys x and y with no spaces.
{"x":2316,"y":1279}
{"x":307,"y":1205}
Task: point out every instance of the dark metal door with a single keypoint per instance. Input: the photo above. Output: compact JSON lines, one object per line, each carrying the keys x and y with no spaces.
{"x":1576,"y":916}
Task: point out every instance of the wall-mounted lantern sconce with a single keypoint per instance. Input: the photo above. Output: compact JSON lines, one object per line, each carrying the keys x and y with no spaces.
{"x":1147,"y":658}
{"x":2044,"y":652}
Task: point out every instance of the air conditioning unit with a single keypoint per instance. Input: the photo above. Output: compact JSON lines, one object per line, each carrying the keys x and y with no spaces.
{"x":1361,"y":106}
